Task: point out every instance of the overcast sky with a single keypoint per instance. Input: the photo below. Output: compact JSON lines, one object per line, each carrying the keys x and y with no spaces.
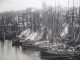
{"x":7,"y":5}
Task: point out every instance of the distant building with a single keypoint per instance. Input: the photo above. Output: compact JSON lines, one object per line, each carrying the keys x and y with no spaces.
{"x":43,"y":5}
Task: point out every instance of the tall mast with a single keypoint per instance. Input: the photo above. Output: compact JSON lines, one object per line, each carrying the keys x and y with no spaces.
{"x":55,"y":20}
{"x":3,"y":28}
{"x":54,"y":34}
{"x":23,"y":21}
{"x":79,"y":15}
{"x":68,"y":12}
{"x":53,"y":27}
{"x":31,"y":21}
{"x":58,"y":19}
{"x":79,"y":22}
{"x":73,"y":22}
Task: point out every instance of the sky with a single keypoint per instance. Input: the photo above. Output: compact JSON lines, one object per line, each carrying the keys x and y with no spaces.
{"x":8,"y":5}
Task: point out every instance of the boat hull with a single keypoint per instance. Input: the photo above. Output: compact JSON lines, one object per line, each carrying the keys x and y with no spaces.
{"x":16,"y":41}
{"x":45,"y":54}
{"x":28,"y":46}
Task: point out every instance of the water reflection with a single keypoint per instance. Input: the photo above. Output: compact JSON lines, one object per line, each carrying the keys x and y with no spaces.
{"x":7,"y":52}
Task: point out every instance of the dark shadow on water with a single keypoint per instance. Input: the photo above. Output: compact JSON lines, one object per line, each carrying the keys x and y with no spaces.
{"x":2,"y":41}
{"x":2,"y":46}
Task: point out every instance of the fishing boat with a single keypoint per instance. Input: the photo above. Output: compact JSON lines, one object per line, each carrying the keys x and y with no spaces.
{"x":67,"y":48}
{"x":60,"y":54}
{"x":20,"y":38}
{"x":29,"y":41}
{"x":29,"y":45}
{"x":16,"y":41}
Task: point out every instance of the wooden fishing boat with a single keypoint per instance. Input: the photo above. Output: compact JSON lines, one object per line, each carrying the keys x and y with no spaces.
{"x":27,"y":44}
{"x":65,"y":52}
{"x":60,"y":54}
{"x":16,"y":41}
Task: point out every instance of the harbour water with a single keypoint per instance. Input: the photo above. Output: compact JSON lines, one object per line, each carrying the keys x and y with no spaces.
{"x":9,"y":52}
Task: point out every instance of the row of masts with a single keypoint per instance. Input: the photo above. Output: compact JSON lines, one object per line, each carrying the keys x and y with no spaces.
{"x":54,"y":18}
{"x":55,"y":27}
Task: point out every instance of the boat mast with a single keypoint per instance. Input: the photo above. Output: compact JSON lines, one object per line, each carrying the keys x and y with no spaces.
{"x":55,"y":19}
{"x":23,"y":21}
{"x":68,"y":18}
{"x":55,"y":24}
{"x":79,"y":15}
{"x":68,"y":12}
{"x":58,"y":17}
{"x":31,"y":22}
{"x":45,"y":15}
{"x":79,"y":22}
{"x":52,"y":25}
{"x":3,"y":29}
{"x":72,"y":22}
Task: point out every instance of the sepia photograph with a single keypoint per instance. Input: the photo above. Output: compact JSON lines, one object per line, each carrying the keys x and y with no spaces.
{"x":39,"y":29}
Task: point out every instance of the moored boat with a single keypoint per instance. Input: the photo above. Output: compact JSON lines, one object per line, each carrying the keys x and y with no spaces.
{"x":61,"y":54}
